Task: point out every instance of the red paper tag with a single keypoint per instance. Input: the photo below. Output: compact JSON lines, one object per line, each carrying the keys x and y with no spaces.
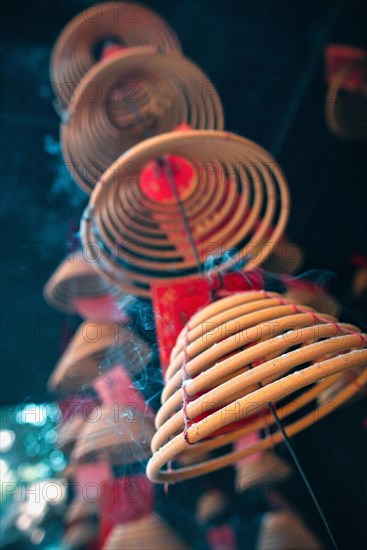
{"x":89,"y":480}
{"x":124,"y":500}
{"x":116,"y":386}
{"x":77,"y":405}
{"x":174,"y":303}
{"x":222,"y":537}
{"x":339,"y":56}
{"x":99,"y":308}
{"x":359,"y":260}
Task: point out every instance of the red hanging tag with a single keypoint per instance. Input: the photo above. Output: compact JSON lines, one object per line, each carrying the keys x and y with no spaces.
{"x":116,"y":387}
{"x":339,"y":56}
{"x":222,"y":537}
{"x":174,"y":303}
{"x":124,"y":500}
{"x":89,"y":479}
{"x":76,"y":405}
{"x":99,"y":308}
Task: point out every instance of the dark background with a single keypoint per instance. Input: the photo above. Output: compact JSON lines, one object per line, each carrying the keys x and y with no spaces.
{"x":266,"y":59}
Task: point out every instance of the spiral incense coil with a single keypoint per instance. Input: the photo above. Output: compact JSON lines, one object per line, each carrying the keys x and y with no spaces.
{"x":69,"y":431}
{"x":93,"y":344}
{"x":80,"y":534}
{"x":346,"y":111}
{"x":138,"y":93}
{"x":286,"y":258}
{"x":77,"y":288}
{"x":149,"y":532}
{"x":119,"y":433}
{"x":284,"y":530}
{"x":235,"y":193}
{"x":81,"y":509}
{"x":266,"y":469}
{"x":314,"y":296}
{"x":211,"y":505}
{"x":126,"y":24}
{"x":232,"y":359}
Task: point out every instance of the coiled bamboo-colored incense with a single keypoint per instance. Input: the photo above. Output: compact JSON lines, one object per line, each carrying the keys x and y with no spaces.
{"x":119,"y":433}
{"x":81,"y":509}
{"x":214,"y":393}
{"x":82,"y":359}
{"x":133,"y":95}
{"x":77,"y":288}
{"x":125,"y":23}
{"x":237,"y":194}
{"x":149,"y":532}
{"x":346,"y":111}
{"x":266,"y":469}
{"x":80,"y":534}
{"x":283,"y":530}
{"x":69,"y":431}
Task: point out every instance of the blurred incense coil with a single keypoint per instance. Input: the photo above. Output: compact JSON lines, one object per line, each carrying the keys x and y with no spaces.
{"x":346,"y":101}
{"x":118,"y":433}
{"x":68,"y":432}
{"x":265,"y":469}
{"x":284,"y":530}
{"x":236,"y":356}
{"x":311,"y":294}
{"x":77,"y":288}
{"x":149,"y":532}
{"x":124,"y":23}
{"x":93,"y":347}
{"x":80,"y":534}
{"x":81,"y":509}
{"x":236,"y":194}
{"x":136,"y":94}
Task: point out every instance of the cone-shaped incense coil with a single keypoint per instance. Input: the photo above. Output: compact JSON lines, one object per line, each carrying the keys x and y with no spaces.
{"x":346,"y":111}
{"x":119,"y":433}
{"x":233,"y":358}
{"x":283,"y":530}
{"x":237,"y":195}
{"x":69,"y":431}
{"x":211,"y":504}
{"x":124,"y":23}
{"x":94,"y":346}
{"x":149,"y":532}
{"x":81,"y":509}
{"x":314,"y":296}
{"x":136,"y":94}
{"x":74,"y":283}
{"x":80,"y":534}
{"x":265,"y":469}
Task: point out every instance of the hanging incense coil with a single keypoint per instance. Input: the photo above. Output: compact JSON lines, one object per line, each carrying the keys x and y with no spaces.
{"x":81,"y":509}
{"x":119,"y":433}
{"x":264,"y":470}
{"x":346,"y":110}
{"x":69,"y":431}
{"x":234,"y":195}
{"x":286,"y":257}
{"x":80,"y":534}
{"x":136,"y":94}
{"x":212,"y":504}
{"x":149,"y":532}
{"x":313,"y":295}
{"x":284,"y":530}
{"x":235,"y":357}
{"x":125,"y":24}
{"x":77,"y":288}
{"x":93,"y":347}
